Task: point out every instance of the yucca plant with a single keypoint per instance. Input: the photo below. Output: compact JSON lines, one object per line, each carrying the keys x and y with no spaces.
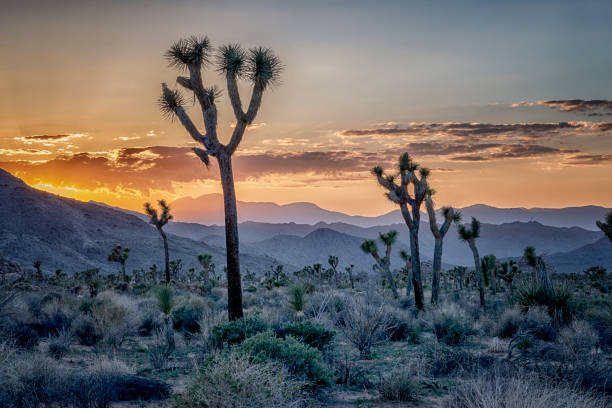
{"x":159,"y":220}
{"x":470,"y":235}
{"x":165,"y":302}
{"x":262,"y":68}
{"x":409,"y":200}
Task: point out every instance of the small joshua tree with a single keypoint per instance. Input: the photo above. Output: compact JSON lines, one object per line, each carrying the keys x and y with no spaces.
{"x":409,"y":173}
{"x":37,"y":265}
{"x":262,"y":68}
{"x":606,"y":226}
{"x":469,"y":235}
{"x":369,"y":247}
{"x":120,"y":255}
{"x":205,"y":261}
{"x":158,"y":220}
{"x":489,"y":271}
{"x":507,"y":272}
{"x":408,"y":272}
{"x":541,"y":273}
{"x":450,"y":215}
{"x":333,"y":263}
{"x":349,"y":272}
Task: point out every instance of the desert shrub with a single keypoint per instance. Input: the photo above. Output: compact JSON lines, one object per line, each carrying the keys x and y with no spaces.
{"x":365,"y":324}
{"x":307,"y":332}
{"x":403,"y":327}
{"x":398,"y":384}
{"x":509,"y":323}
{"x":492,"y":390}
{"x":538,"y":323}
{"x":24,"y":336}
{"x":59,"y":345}
{"x":149,"y":323}
{"x":349,"y":372}
{"x":86,"y":331}
{"x":237,"y":331}
{"x":579,"y":337}
{"x":452,"y":326}
{"x":187,"y":318}
{"x":52,"y":323}
{"x":232,"y":380}
{"x":297,"y":297}
{"x":302,"y":361}
{"x":159,"y":353}
{"x":440,"y":359}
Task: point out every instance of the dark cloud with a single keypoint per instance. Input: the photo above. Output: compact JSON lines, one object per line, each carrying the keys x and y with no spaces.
{"x":46,"y":137}
{"x":578,"y":105}
{"x":465,"y":130}
{"x":515,"y":151}
{"x":588,"y":159}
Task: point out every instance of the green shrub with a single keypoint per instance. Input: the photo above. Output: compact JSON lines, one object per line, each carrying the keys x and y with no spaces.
{"x":404,"y":327}
{"x":187,"y":318}
{"x":303,"y":361}
{"x":452,"y":330}
{"x":165,"y":299}
{"x":237,"y":331}
{"x":559,"y":305}
{"x":86,"y":331}
{"x":24,"y":335}
{"x":232,"y":380}
{"x":308,"y":333}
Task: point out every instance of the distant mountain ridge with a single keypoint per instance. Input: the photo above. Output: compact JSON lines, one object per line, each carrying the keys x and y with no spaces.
{"x":208,"y":210}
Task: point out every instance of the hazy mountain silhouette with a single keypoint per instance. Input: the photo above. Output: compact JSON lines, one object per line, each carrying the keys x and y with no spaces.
{"x":73,"y":235}
{"x":208,"y":210}
{"x":599,"y":253}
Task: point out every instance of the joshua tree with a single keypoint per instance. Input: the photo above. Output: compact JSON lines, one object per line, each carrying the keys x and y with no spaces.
{"x":333,"y":263}
{"x":369,"y":247}
{"x":489,"y":271}
{"x":450,"y":215}
{"x":262,"y":68}
{"x":120,"y":255}
{"x":606,"y":226}
{"x":159,"y":220}
{"x":542,"y":275}
{"x":469,"y":235}
{"x":206,"y":260}
{"x":508,"y":271}
{"x":349,"y":272}
{"x":400,"y":194}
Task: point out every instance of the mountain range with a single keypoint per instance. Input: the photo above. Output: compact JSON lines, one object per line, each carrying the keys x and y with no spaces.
{"x":208,"y":210}
{"x":72,"y":235}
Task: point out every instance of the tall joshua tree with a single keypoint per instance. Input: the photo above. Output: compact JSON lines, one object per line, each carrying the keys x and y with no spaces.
{"x":409,"y":173}
{"x":120,"y":255}
{"x":159,"y":220}
{"x":259,"y":66}
{"x":606,"y":226}
{"x":450,"y":215}
{"x":369,"y":247}
{"x":469,"y":235}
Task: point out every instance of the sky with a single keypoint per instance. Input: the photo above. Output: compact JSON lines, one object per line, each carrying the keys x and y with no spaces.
{"x":508,"y":103}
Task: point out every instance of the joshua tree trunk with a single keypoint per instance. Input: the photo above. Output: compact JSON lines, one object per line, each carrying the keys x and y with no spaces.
{"x":166,"y":255}
{"x":437,"y":266}
{"x":123,"y":274}
{"x":234,"y":287}
{"x":416,"y":266}
{"x":479,"y":277}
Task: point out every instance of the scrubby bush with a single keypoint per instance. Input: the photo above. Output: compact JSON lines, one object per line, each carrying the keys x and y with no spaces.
{"x":24,"y":336}
{"x":559,"y":303}
{"x":365,"y":324}
{"x":149,"y":323}
{"x":187,"y":318}
{"x":237,"y":331}
{"x":441,"y":359}
{"x":538,"y":323}
{"x":60,"y":345}
{"x":307,"y":332}
{"x":86,"y":331}
{"x":232,"y":380}
{"x":399,"y":384}
{"x":303,"y":361}
{"x":579,"y":338}
{"x":452,"y":326}
{"x":509,"y":323}
{"x":297,"y":297}
{"x":404,"y":327}
{"x":491,"y":390}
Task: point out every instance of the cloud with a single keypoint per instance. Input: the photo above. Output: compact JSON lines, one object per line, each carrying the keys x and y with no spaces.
{"x":467,"y":130}
{"x":17,"y":152}
{"x":514,"y":151}
{"x":588,"y":159}
{"x":578,"y":105}
{"x":49,"y":139}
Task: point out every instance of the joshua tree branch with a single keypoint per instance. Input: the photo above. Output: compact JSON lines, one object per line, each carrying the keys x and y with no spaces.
{"x":234,"y":96}
{"x":242,"y":119}
{"x":433,"y":223}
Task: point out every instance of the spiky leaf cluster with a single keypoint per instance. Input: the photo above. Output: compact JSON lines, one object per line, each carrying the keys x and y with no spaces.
{"x":119,"y":254}
{"x":193,"y":51}
{"x":369,"y":247}
{"x":389,"y":238}
{"x":469,"y":233}
{"x":159,"y":220}
{"x":530,"y":256}
{"x":170,"y":100}
{"x":231,"y":58}
{"x":263,"y":67}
